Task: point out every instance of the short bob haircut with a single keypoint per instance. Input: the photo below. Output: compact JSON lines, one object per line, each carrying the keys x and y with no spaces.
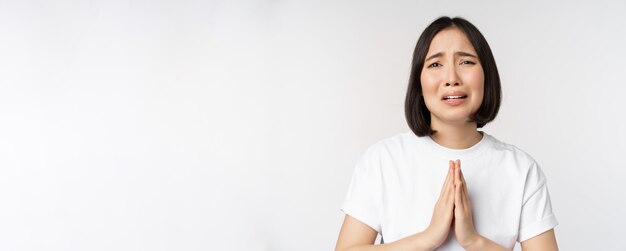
{"x":416,"y":112}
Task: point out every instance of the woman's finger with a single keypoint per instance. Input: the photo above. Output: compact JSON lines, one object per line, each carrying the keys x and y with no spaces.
{"x":464,"y":192}
{"x":457,"y":184}
{"x":463,"y":180}
{"x":446,"y":186}
{"x":462,"y":199}
{"x":458,"y":199}
{"x":457,"y":170}
{"x":449,"y":192}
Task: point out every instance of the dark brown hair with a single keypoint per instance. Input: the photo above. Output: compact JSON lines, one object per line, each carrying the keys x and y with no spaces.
{"x":416,"y":112}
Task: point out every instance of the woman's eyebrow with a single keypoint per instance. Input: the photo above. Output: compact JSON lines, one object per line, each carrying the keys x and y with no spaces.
{"x":465,"y":54}
{"x":438,"y":54}
{"x":458,"y":53}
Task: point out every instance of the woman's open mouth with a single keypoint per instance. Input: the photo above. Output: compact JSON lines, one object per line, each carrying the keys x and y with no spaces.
{"x":454,"y":99}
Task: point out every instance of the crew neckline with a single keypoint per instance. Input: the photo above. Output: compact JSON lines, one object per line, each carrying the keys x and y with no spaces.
{"x":453,"y":154}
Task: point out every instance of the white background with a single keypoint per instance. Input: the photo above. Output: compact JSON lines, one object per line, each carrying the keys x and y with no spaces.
{"x":230,"y":125}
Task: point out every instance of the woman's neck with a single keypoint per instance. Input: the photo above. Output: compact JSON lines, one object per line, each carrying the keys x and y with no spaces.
{"x":461,"y":136}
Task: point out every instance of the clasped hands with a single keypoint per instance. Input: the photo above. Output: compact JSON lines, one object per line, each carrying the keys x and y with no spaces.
{"x":453,"y":211}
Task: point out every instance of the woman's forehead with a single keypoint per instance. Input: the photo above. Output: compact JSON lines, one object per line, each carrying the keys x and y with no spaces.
{"x":450,"y":40}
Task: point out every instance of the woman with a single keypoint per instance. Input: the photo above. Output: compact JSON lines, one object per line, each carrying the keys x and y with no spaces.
{"x":492,"y":194}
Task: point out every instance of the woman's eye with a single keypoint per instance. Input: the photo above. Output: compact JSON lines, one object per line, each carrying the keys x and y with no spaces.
{"x":467,"y":62}
{"x":434,"y":65}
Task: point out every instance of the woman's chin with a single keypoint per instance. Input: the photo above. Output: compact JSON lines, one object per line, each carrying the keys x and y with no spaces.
{"x":452,"y":120}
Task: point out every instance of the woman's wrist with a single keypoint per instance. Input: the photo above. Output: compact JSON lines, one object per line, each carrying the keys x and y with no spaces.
{"x":423,"y":241}
{"x":478,"y":243}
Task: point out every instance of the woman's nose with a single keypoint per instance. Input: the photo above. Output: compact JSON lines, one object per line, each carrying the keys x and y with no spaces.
{"x":452,"y":78}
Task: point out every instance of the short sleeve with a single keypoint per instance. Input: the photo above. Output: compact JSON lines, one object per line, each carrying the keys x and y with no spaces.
{"x":361,"y":201}
{"x":536,"y":215}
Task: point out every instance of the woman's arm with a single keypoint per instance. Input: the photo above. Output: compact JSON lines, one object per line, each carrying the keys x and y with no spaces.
{"x":357,"y":236}
{"x":544,"y":241}
{"x":483,"y":244}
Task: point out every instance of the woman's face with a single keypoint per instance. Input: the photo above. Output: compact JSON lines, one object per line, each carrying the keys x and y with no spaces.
{"x":452,"y":78}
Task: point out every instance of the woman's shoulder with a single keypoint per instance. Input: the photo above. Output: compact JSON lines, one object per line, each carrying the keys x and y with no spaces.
{"x":393,"y":144}
{"x":396,"y":149}
{"x":512,"y":151}
{"x":388,"y":152}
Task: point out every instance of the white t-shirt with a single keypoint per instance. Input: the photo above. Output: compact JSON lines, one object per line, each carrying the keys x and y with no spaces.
{"x":398,"y":180}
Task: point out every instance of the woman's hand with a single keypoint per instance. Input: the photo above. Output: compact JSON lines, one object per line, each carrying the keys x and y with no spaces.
{"x":443,"y":214}
{"x":463,"y":224}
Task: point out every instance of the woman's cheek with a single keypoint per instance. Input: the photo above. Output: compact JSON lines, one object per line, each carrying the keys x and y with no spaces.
{"x":429,"y":83}
{"x":474,"y":77}
{"x":429,"y":90}
{"x":475,"y":80}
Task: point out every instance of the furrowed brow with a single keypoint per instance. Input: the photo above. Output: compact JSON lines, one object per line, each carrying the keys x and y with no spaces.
{"x":466,"y":54}
{"x":438,"y":54}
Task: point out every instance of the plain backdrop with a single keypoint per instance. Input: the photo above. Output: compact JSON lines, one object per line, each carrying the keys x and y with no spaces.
{"x":235,"y":125}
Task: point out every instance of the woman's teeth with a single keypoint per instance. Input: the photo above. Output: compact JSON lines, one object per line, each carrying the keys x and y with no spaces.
{"x":454,"y":97}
